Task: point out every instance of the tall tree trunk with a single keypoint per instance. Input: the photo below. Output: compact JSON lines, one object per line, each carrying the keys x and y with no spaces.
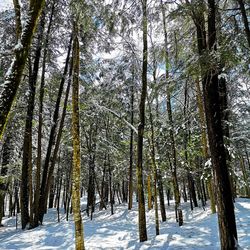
{"x":247,"y":157}
{"x":43,"y":195}
{"x":14,"y":76}
{"x":156,"y":145}
{"x":111,"y":192}
{"x":131,"y":147}
{"x":102,"y":202}
{"x":141,"y":199}
{"x":161,"y":196}
{"x":40,"y":121}
{"x":91,"y":185}
{"x":245,"y":176}
{"x":76,"y":177}
{"x":170,"y":118}
{"x":226,"y":216}
{"x":225,"y":124}
{"x":190,"y":179}
{"x":152,"y":145}
{"x":59,"y":135}
{"x":26,"y":184}
{"x":204,"y":145}
{"x":149,"y":191}
{"x":124,"y":191}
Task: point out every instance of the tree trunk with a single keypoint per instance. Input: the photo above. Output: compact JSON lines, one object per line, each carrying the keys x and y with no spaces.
{"x":245,"y":20}
{"x":40,"y":123}
{"x":14,"y":76}
{"x":204,"y":144}
{"x":26,"y":184}
{"x":149,"y":191}
{"x":141,"y":201}
{"x":91,"y":185}
{"x":131,"y":149}
{"x":102,"y":202}
{"x":52,"y":192}
{"x":59,"y":135}
{"x":43,"y":195}
{"x":152,"y":146}
{"x":124,"y":191}
{"x":247,"y":157}
{"x":190,"y":179}
{"x":226,"y":216}
{"x":6,"y":156}
{"x":111,"y":192}
{"x":76,"y":177}
{"x":170,"y":118}
{"x":245,"y":176}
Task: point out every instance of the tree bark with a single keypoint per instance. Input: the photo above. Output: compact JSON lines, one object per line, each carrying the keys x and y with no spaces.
{"x":226,"y":216}
{"x":152,"y":145}
{"x":204,"y":144}
{"x":59,"y":135}
{"x":245,"y":20}
{"x":26,"y":184}
{"x":161,"y":196}
{"x":131,"y":147}
{"x":170,"y":118}
{"x":76,"y":177}
{"x":40,"y":122}
{"x":43,"y":195}
{"x":149,"y":191}
{"x":141,"y":199}
{"x":111,"y":191}
{"x":6,"y":157}
{"x":14,"y":74}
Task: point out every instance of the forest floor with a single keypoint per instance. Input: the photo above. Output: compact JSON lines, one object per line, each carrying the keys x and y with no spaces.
{"x":120,"y":231}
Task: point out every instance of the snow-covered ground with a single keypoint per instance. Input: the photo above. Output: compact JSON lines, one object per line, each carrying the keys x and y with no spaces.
{"x":120,"y":231}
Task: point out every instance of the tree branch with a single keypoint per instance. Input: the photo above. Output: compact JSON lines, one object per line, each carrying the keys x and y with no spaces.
{"x":117,"y":115}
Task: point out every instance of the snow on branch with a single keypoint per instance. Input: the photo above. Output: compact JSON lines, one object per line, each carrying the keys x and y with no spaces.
{"x":117,"y":115}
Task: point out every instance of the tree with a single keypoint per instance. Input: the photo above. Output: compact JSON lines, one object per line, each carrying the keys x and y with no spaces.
{"x":40,"y":121}
{"x":141,"y":201}
{"x":226,"y":217}
{"x":173,"y":160}
{"x":131,"y":149}
{"x":52,"y":137}
{"x":245,"y":20}
{"x":26,"y":184}
{"x":14,"y":74}
{"x":76,"y":168}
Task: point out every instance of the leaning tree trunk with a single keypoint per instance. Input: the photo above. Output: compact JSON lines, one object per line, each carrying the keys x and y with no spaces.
{"x":141,"y":199}
{"x":14,"y":74}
